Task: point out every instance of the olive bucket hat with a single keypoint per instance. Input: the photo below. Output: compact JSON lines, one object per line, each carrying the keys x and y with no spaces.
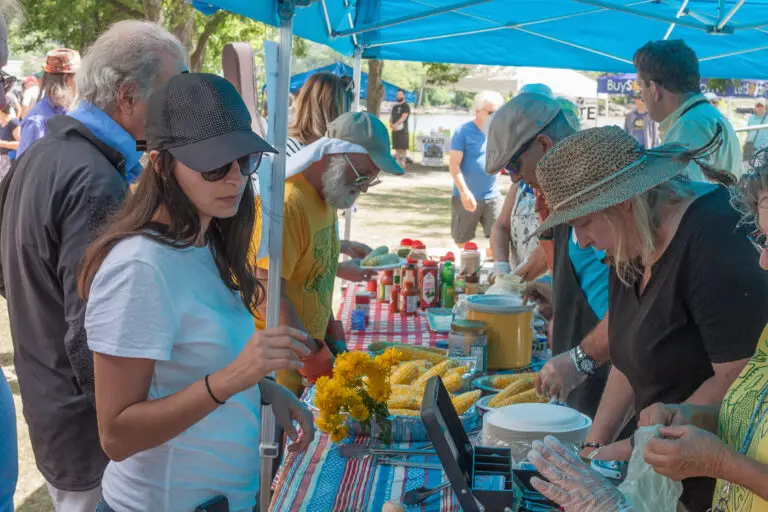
{"x":602,"y":167}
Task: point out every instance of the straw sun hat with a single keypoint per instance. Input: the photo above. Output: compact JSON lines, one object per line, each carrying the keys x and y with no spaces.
{"x":602,"y":167}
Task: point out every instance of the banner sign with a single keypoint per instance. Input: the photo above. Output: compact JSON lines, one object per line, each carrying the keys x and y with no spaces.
{"x":626,"y":85}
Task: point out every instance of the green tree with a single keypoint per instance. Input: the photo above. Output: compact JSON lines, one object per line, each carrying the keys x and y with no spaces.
{"x":444,"y":74}
{"x":77,"y":24}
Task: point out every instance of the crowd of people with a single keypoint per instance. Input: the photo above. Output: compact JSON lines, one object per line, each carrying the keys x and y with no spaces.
{"x":138,"y":315}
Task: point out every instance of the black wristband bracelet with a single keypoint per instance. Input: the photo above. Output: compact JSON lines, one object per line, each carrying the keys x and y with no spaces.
{"x":591,"y":445}
{"x":208,"y":387}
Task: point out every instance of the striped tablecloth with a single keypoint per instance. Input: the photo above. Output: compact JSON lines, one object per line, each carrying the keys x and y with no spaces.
{"x":320,"y":480}
{"x":384,"y":326}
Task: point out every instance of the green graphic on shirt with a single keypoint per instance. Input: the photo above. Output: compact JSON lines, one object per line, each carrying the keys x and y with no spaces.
{"x":735,"y":414}
{"x":318,"y":287}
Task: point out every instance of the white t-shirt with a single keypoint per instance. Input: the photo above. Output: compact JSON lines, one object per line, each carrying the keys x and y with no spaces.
{"x":152,"y":301}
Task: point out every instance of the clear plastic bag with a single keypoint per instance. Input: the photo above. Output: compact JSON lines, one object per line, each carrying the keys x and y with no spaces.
{"x":647,"y":490}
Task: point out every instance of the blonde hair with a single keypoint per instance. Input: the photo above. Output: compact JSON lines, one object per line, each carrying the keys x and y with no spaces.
{"x":637,"y":239}
{"x":322,"y":99}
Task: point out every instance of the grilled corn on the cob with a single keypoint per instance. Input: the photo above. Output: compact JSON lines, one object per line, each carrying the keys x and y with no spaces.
{"x":405,"y":412}
{"x":502,"y":381}
{"x":407,"y":373}
{"x":504,"y":397}
{"x":464,"y":401}
{"x":439,"y":369}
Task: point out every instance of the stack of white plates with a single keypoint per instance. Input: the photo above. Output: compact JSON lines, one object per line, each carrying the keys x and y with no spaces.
{"x":517,"y":426}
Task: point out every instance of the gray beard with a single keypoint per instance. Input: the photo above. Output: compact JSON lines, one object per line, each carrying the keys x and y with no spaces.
{"x":337,"y":192}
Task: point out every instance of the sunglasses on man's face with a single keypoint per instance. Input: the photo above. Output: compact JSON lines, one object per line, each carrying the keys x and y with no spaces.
{"x":759,"y":240}
{"x":8,"y":81}
{"x":362,"y":180}
{"x":513,"y":166}
{"x":248,"y":165}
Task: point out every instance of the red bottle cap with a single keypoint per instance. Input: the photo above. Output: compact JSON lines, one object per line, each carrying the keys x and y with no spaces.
{"x":412,"y":261}
{"x":406,"y":242}
{"x":428,"y":263}
{"x":470,"y":246}
{"x":450,"y":257}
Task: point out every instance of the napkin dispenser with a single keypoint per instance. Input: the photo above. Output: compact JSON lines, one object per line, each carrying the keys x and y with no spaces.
{"x":483,"y":478}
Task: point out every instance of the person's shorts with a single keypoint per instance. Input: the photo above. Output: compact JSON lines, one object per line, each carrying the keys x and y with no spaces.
{"x":400,"y":139}
{"x":464,"y":223}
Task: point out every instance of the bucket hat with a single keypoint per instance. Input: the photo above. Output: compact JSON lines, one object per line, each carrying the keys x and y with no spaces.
{"x":602,"y":167}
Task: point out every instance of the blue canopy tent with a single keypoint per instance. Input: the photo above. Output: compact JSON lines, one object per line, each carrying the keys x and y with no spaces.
{"x":340,"y":69}
{"x":730,"y":38}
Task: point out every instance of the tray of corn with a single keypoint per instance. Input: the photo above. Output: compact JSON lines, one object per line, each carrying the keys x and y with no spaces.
{"x":517,"y":389}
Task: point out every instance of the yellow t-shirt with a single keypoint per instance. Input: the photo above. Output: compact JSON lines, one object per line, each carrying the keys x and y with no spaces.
{"x":310,"y":254}
{"x":735,"y":413}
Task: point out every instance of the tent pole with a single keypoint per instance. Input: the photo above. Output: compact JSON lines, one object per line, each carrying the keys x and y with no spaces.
{"x":680,"y":12}
{"x":357,"y":78}
{"x":268,"y":447}
{"x":730,"y":14}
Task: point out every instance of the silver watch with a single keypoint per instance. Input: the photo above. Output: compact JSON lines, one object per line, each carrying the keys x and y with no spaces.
{"x":583,"y":361}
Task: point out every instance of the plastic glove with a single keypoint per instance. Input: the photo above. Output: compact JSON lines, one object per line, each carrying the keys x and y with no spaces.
{"x":686,"y":452}
{"x":559,"y":377}
{"x":500,"y":268}
{"x":573,"y":484}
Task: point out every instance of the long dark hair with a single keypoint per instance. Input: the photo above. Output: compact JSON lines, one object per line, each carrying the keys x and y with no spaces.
{"x":228,"y":239}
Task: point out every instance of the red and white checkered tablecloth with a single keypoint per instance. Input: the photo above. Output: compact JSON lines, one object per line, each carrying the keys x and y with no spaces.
{"x":384,"y":326}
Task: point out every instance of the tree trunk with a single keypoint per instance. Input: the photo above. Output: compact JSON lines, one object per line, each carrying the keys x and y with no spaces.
{"x":375,"y":87}
{"x":153,"y":11}
{"x":197,"y":59}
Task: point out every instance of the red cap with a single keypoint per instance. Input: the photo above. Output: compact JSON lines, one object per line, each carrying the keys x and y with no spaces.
{"x":412,"y":261}
{"x":418,"y":245}
{"x":428,"y":263}
{"x":406,"y":242}
{"x":470,"y":246}
{"x":450,"y":257}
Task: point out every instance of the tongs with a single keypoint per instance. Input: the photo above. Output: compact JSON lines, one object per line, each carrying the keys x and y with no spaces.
{"x":359,"y":451}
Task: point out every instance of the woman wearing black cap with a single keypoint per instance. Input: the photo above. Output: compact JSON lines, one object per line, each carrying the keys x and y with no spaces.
{"x":180,"y":372}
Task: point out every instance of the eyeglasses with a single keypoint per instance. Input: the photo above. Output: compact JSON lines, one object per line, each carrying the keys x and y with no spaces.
{"x":248,"y":165}
{"x":759,"y":240}
{"x":513,"y":166}
{"x":7,"y":80}
{"x":362,"y":181}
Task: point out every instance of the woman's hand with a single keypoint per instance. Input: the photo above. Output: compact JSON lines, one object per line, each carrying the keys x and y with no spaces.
{"x":268,"y":350}
{"x":559,"y":377}
{"x":667,"y":415}
{"x":685,"y":452}
{"x":572,"y":484}
{"x":288,"y":408}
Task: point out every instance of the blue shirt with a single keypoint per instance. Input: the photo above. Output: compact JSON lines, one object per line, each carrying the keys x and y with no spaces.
{"x":592,"y":275}
{"x":470,"y":140}
{"x":759,"y":137}
{"x":34,"y":126}
{"x":108,"y":131}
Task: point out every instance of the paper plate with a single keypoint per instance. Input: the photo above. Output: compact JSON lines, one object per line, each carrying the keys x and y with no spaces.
{"x":379,"y":268}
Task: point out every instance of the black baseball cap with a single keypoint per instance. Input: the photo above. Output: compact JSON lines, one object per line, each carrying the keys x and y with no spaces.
{"x":202,"y":121}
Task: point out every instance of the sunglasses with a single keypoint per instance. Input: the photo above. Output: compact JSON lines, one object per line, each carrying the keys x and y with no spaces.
{"x":8,"y":81}
{"x":248,"y":165}
{"x":513,"y":166}
{"x":759,"y":240}
{"x":361,"y":181}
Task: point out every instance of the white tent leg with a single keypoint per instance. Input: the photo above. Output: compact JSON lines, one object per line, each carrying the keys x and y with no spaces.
{"x":268,"y":447}
{"x":357,"y":77}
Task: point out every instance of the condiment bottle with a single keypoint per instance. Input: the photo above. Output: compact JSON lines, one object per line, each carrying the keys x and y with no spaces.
{"x":408,"y":273}
{"x":419,"y":251}
{"x":446,"y":286}
{"x":473,"y":284}
{"x":470,"y":259}
{"x":409,"y":298}
{"x":429,"y":288}
{"x":386,"y":280}
{"x":405,"y":247}
{"x":394,"y":296}
{"x":363,"y":303}
{"x":460,"y":289}
{"x":372,"y":287}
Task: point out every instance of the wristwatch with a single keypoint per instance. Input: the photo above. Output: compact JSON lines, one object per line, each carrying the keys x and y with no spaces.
{"x":583,"y":361}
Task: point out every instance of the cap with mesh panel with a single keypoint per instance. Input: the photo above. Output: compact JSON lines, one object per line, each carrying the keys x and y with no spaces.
{"x":202,"y":121}
{"x":368,"y":131}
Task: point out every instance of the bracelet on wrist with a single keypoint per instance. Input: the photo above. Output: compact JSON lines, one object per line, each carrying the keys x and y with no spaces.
{"x":591,"y":445}
{"x":213,"y":397}
{"x":593,"y":454}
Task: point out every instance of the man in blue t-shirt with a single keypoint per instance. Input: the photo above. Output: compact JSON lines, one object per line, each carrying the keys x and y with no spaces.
{"x":638,"y":124}
{"x":476,"y":196}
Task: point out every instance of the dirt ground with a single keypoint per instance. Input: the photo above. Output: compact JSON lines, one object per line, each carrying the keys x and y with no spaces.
{"x":417,"y":205}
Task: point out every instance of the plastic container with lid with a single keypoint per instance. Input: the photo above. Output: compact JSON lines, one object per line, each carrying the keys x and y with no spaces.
{"x":471,"y":260}
{"x":469,"y":338}
{"x":418,"y":251}
{"x":363,"y":303}
{"x":428,"y":285}
{"x":510,"y":329}
{"x":404,"y":250}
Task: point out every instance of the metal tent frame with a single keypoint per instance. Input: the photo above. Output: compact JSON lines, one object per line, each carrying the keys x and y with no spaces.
{"x":466,"y":30}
